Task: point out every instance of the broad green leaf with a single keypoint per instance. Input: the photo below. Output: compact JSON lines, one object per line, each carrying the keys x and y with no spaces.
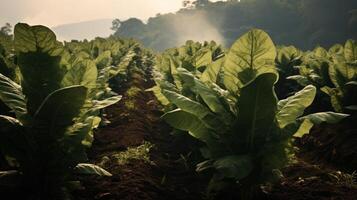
{"x":81,"y":133}
{"x":287,"y":55}
{"x":252,"y":54}
{"x":328,"y":117}
{"x":301,"y":80}
{"x":341,"y":73}
{"x":186,"y":104}
{"x":257,"y":106}
{"x":39,"y":59}
{"x":211,"y":72}
{"x":317,"y":118}
{"x":33,"y":38}
{"x":235,"y":166}
{"x":293,"y":107}
{"x":159,"y":96}
{"x":336,"y":49}
{"x":174,"y":73}
{"x":91,"y":169}
{"x":104,"y":59}
{"x":60,"y":107}
{"x":208,"y":95}
{"x":185,"y":121}
{"x":11,"y":94}
{"x":203,"y":58}
{"x":93,"y":123}
{"x":122,"y":67}
{"x":350,"y":51}
{"x":83,"y":72}
{"x":304,"y":128}
{"x":335,"y":97}
{"x":320,"y":52}
{"x":98,"y":105}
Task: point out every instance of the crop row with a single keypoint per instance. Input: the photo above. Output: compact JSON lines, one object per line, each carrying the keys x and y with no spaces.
{"x":226,"y":99}
{"x":53,"y":94}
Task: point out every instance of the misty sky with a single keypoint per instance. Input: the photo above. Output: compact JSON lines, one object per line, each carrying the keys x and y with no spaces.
{"x":56,"y":12}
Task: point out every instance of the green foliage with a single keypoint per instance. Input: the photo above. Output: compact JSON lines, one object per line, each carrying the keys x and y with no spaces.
{"x":286,"y":61}
{"x":251,"y":55}
{"x":134,"y":153}
{"x":246,"y":131}
{"x":55,"y":112}
{"x":7,"y":55}
{"x":6,"y":30}
{"x":203,"y":60}
{"x":334,"y":72}
{"x":133,"y":91}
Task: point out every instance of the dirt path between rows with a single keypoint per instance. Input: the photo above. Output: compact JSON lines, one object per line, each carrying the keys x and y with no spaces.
{"x":166,"y":176}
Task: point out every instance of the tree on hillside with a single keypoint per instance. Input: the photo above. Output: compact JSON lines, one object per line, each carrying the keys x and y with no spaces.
{"x":116,"y":24}
{"x":303,"y":23}
{"x":6,"y":30}
{"x":191,"y":4}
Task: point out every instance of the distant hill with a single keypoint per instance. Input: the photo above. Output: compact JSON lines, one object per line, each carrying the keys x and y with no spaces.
{"x":84,"y":30}
{"x":303,"y":23}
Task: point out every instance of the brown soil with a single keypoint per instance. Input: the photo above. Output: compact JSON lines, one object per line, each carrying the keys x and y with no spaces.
{"x":303,"y":181}
{"x":169,"y":176}
{"x":334,"y":145}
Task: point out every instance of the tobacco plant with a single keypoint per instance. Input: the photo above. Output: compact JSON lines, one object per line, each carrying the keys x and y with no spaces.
{"x":54,"y":112}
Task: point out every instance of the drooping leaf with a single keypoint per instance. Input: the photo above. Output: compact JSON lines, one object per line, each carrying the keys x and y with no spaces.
{"x":98,"y":105}
{"x":308,"y":121}
{"x":304,"y":128}
{"x":293,"y":107}
{"x":208,"y":96}
{"x":11,"y":94}
{"x":159,"y":96}
{"x":186,"y":104}
{"x":91,"y":169}
{"x":328,"y":117}
{"x":185,"y":121}
{"x":60,"y":107}
{"x":301,"y":80}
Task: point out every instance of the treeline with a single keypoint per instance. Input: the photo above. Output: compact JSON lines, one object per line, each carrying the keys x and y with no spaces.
{"x":303,"y":23}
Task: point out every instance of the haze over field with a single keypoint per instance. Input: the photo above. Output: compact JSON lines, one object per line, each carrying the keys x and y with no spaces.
{"x":53,"y":12}
{"x":92,"y":16}
{"x":161,"y":24}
